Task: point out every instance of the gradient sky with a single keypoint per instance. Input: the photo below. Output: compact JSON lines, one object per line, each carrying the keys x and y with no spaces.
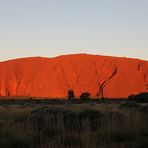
{"x":54,"y":27}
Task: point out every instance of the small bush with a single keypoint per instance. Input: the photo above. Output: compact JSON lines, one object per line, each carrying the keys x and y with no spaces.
{"x":85,"y":96}
{"x":71,"y":94}
{"x":139,"y":98}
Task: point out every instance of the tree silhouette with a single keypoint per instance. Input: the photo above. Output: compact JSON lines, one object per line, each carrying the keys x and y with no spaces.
{"x":71,"y":94}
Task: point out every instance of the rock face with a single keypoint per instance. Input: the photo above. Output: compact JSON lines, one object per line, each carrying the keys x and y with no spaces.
{"x":101,"y":76}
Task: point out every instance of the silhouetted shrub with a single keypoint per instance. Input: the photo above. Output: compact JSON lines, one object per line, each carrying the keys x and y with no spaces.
{"x":139,"y":98}
{"x":71,"y":94}
{"x":85,"y":96}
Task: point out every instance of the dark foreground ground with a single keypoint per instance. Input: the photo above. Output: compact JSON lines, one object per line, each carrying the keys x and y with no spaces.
{"x":74,"y":124}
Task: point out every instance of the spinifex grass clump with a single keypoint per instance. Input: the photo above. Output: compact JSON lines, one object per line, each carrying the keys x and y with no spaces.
{"x":130,"y":105}
{"x":73,"y":126}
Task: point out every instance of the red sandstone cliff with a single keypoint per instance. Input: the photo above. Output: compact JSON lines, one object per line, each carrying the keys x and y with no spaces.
{"x":53,"y":77}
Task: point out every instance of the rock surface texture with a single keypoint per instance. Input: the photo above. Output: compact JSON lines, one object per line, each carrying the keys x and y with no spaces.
{"x":101,"y":76}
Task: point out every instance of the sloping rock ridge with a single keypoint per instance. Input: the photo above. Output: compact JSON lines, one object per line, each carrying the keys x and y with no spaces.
{"x":101,"y":76}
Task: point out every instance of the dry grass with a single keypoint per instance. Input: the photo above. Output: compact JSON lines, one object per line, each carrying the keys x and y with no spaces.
{"x":73,"y":126}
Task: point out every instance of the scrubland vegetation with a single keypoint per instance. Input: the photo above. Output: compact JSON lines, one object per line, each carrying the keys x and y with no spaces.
{"x":92,"y":124}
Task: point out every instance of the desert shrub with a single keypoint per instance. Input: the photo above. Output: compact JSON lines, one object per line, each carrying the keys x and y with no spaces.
{"x":139,"y":98}
{"x":53,"y":114}
{"x":85,"y":96}
{"x":130,"y":105}
{"x":53,"y":111}
{"x":37,"y":122}
{"x":70,"y":120}
{"x":115,"y":118}
{"x":95,"y":118}
{"x":47,"y":112}
{"x":38,"y":119}
{"x":71,"y":94}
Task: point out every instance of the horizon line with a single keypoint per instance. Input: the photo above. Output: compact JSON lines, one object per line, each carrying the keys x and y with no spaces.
{"x":70,"y":54}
